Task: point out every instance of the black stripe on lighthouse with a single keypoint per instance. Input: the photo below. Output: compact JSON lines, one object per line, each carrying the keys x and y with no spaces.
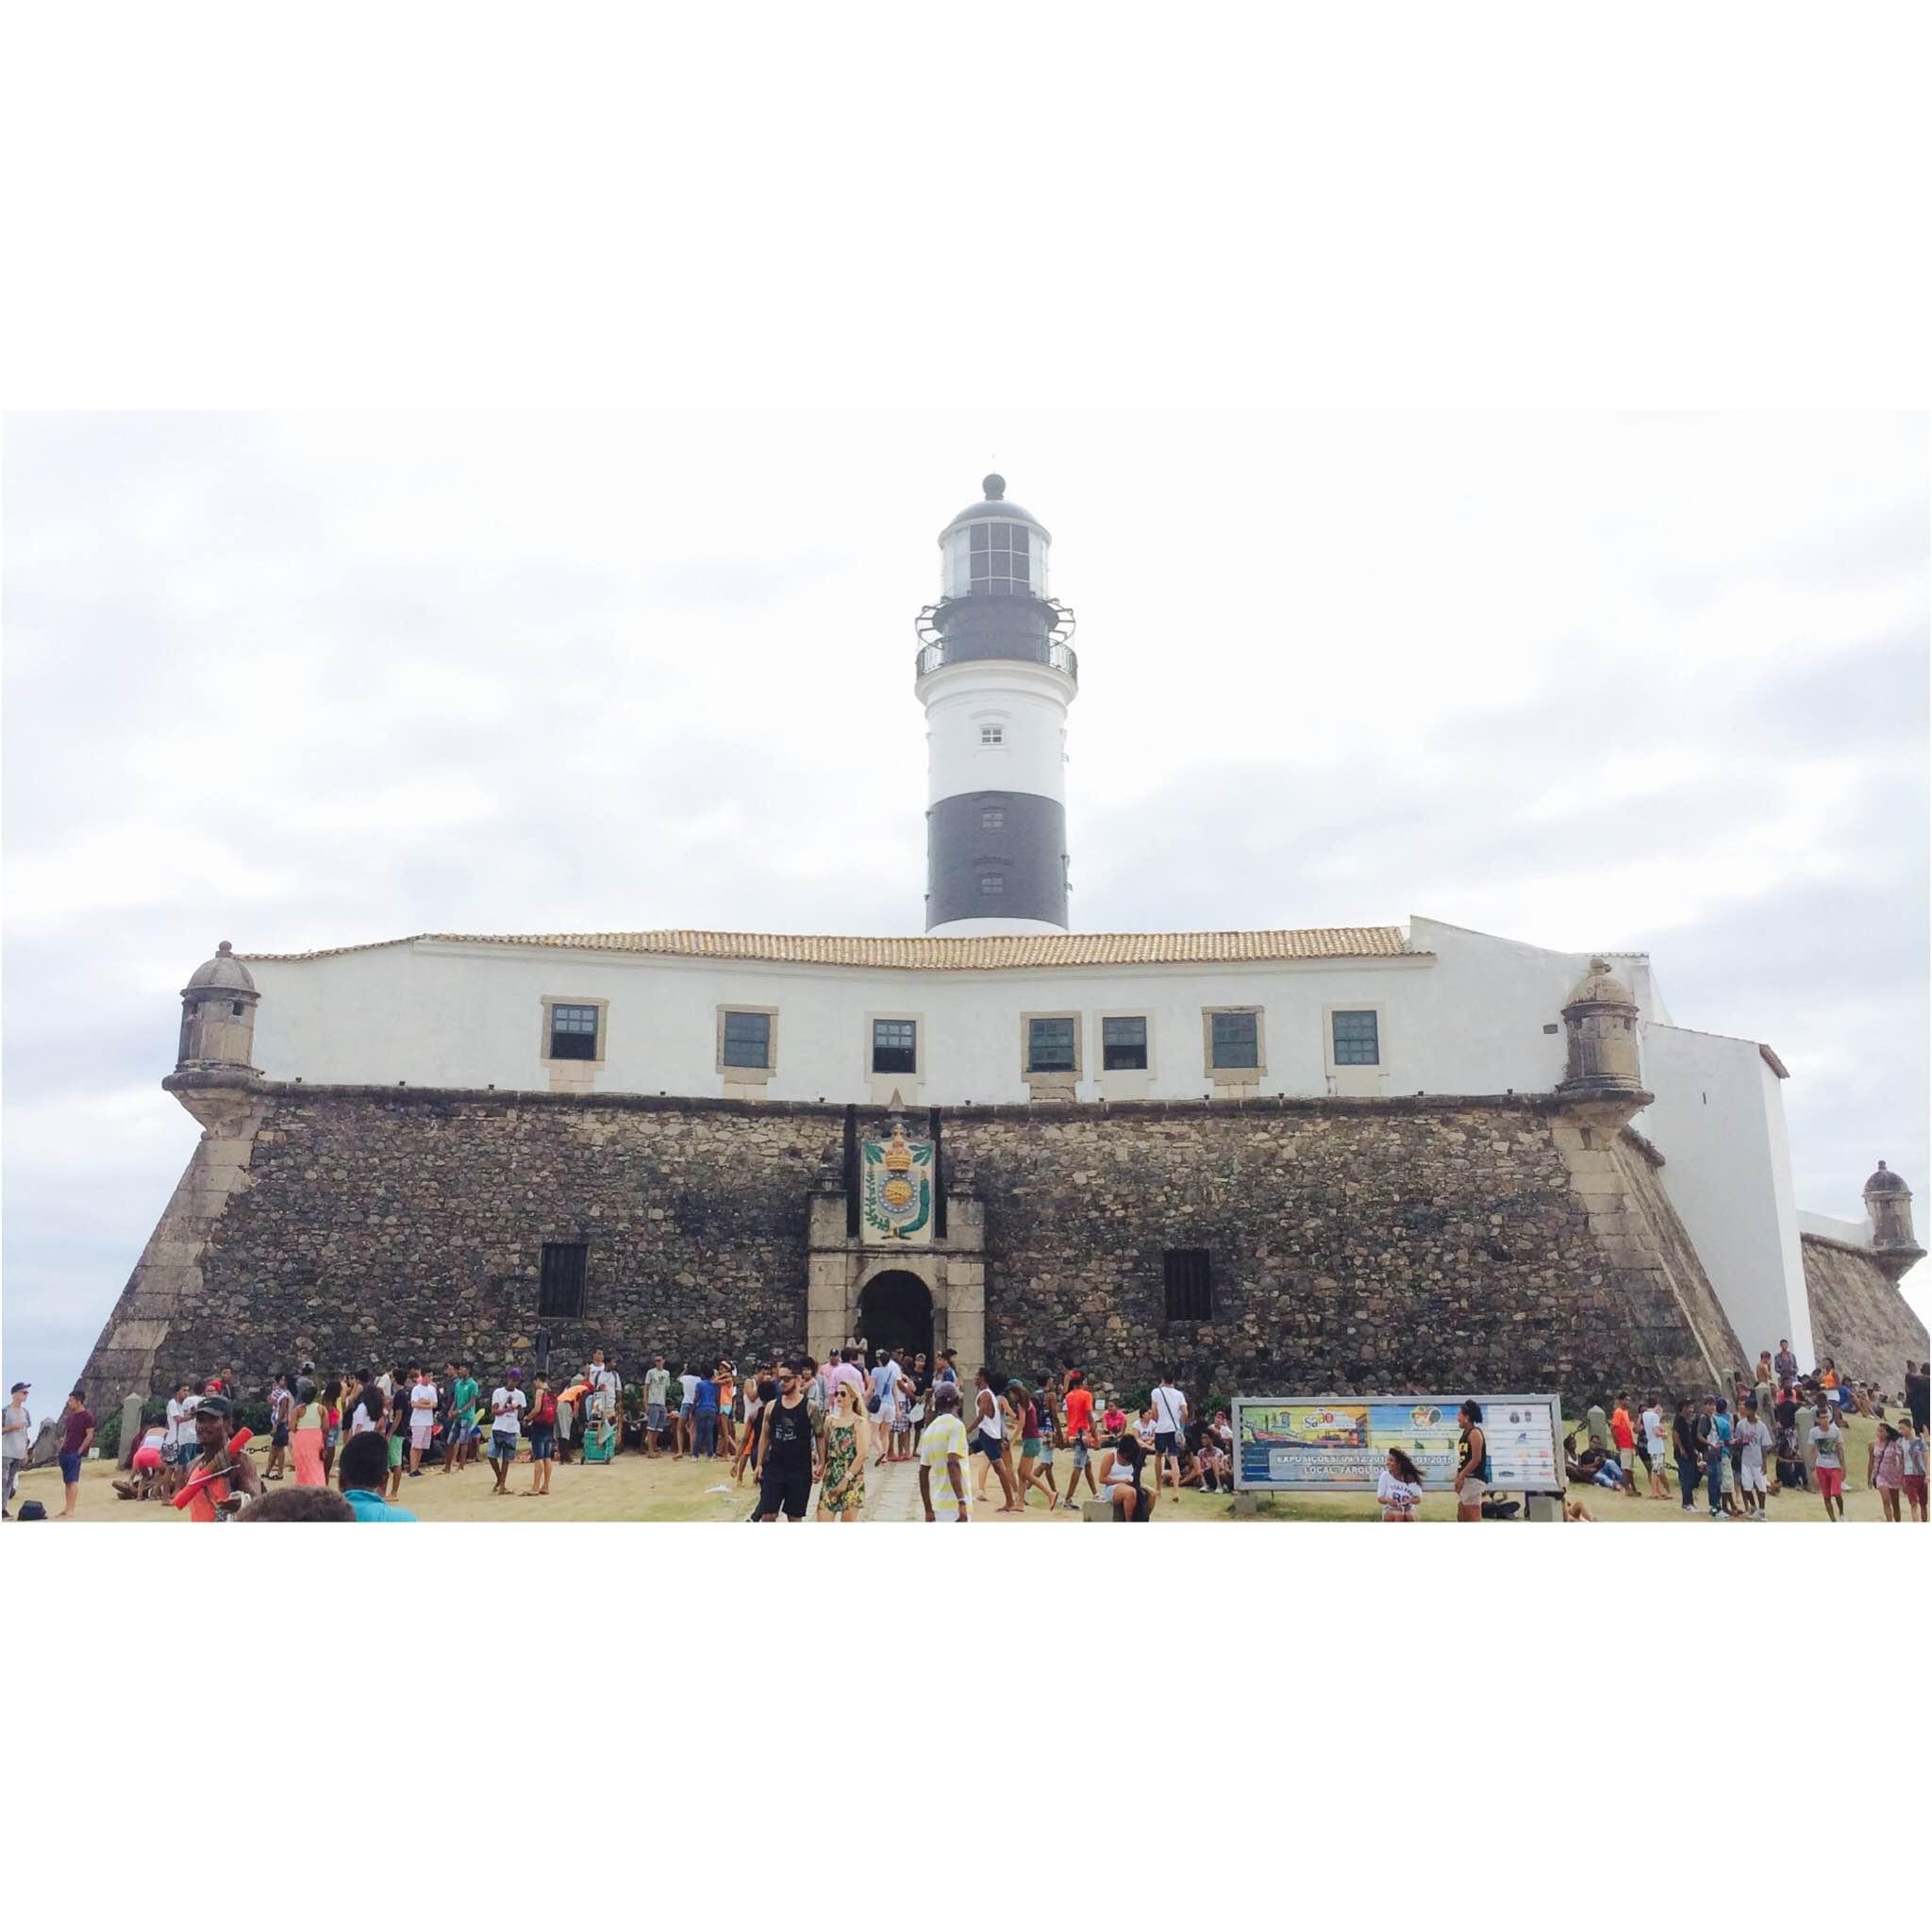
{"x":1017,"y":838}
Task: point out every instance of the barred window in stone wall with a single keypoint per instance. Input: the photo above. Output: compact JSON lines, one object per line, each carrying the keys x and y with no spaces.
{"x":572,"y":1033}
{"x":1236,"y":1040}
{"x":560,"y":1288}
{"x":1358,"y":1043}
{"x":747,"y":1040}
{"x":1123,"y":1045}
{"x":1189,"y":1284}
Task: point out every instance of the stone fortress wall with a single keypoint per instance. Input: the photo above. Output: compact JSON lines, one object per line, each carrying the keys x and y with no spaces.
{"x":1356,"y":1245}
{"x":1858,"y":1317}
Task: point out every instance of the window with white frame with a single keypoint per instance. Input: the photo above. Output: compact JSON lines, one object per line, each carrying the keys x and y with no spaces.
{"x":1123,"y":1044}
{"x":1356,"y":1038}
{"x":1050,"y":1044}
{"x":573,"y":1032}
{"x":993,"y":818}
{"x":991,"y":885}
{"x":747,"y":1041}
{"x":1235,"y":1039}
{"x":894,"y":1046}
{"x":992,"y":734}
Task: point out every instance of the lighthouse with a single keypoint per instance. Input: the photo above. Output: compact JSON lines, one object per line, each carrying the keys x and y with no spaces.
{"x":995,"y":673}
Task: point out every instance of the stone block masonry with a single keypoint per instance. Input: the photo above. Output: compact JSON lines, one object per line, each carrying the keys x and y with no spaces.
{"x":1858,"y":1317}
{"x":1356,"y":1246}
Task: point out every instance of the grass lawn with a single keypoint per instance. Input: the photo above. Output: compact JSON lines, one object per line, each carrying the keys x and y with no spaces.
{"x":633,"y":1489}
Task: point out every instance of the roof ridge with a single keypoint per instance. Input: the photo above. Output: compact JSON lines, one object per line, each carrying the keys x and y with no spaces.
{"x":930,"y":950}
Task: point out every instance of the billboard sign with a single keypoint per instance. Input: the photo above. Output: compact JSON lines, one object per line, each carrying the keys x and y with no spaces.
{"x":1285,"y":1443}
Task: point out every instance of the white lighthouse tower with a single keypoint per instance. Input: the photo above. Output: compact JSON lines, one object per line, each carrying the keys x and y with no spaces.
{"x":995,"y":673}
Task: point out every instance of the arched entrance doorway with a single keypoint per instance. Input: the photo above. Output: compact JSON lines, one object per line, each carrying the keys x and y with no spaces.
{"x":896,"y":1311}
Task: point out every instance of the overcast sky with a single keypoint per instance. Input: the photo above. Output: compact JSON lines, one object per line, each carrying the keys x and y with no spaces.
{"x":1639,"y":682}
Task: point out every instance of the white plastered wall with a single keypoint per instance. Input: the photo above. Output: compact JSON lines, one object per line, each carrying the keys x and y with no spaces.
{"x":1469,"y":1019}
{"x":1718,"y":1118}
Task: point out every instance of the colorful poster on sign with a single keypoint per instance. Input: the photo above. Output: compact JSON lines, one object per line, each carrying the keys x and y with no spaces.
{"x":1344,"y":1444}
{"x":895,"y":1190}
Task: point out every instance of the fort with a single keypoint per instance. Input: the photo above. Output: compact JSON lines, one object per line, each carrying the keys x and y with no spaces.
{"x":1324,"y":1159}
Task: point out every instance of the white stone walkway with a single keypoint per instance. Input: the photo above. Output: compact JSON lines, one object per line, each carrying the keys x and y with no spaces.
{"x":891,"y":1495}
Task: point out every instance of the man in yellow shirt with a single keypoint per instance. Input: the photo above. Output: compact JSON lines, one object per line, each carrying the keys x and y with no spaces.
{"x":942,"y":1459}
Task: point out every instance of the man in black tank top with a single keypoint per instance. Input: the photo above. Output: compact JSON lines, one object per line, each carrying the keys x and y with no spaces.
{"x":787,"y":1449}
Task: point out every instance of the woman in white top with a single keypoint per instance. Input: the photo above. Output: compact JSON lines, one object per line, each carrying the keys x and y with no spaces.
{"x":1399,"y":1488}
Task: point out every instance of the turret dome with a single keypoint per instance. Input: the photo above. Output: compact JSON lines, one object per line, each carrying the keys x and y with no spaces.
{"x":1600,"y":987}
{"x":1885,"y":1182}
{"x":224,"y":971}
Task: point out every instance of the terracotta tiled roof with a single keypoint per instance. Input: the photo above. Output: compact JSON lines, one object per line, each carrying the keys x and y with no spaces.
{"x":944,"y":954}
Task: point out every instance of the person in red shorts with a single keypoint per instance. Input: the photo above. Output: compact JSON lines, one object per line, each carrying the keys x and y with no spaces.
{"x":1828,"y":1452}
{"x":1912,"y":1456}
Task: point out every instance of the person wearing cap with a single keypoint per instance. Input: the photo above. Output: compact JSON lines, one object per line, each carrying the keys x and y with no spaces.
{"x":943,"y":1458}
{"x":16,"y":1438}
{"x":507,"y":1405}
{"x":220,"y":1478}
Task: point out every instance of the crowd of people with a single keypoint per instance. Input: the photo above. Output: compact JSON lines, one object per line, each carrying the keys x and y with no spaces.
{"x":804,"y":1433}
{"x":796,"y":1425}
{"x":1776,"y":1431}
{"x":799,"y":1429}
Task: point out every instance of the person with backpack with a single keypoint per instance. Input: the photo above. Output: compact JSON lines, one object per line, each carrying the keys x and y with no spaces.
{"x":882,"y":1404}
{"x":1169,"y":1407}
{"x":542,"y":1436}
{"x":1472,"y":1463}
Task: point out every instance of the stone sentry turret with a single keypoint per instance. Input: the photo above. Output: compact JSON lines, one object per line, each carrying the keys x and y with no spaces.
{"x":1603,"y":1070}
{"x":214,"y":1080}
{"x":218,"y":1016}
{"x":1888,"y":1205}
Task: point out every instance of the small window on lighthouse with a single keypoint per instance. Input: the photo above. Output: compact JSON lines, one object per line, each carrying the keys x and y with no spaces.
{"x":993,"y":818}
{"x":992,"y":884}
{"x":992,"y":734}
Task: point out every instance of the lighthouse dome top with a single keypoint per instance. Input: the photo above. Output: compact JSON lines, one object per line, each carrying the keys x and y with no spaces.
{"x":994,"y":503}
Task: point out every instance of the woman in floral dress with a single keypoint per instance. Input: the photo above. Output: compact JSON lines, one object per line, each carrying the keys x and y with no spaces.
{"x":841,"y":1487}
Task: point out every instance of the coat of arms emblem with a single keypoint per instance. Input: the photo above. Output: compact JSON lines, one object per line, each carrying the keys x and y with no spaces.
{"x":895,"y":1188}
